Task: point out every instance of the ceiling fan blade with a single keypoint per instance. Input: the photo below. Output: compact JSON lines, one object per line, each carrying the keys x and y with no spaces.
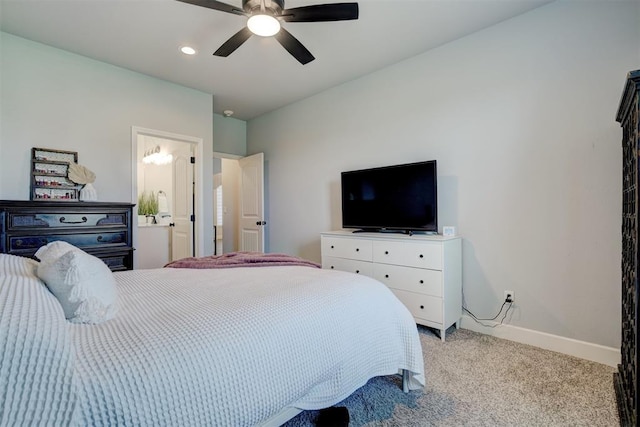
{"x":294,"y":47}
{"x":321,"y":13}
{"x":216,"y":5}
{"x":234,"y":42}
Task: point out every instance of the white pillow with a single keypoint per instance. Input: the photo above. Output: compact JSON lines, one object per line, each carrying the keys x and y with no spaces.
{"x":55,"y":250}
{"x":82,"y":283}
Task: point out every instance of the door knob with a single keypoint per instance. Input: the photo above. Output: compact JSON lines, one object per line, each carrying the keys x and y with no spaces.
{"x":261,"y":222}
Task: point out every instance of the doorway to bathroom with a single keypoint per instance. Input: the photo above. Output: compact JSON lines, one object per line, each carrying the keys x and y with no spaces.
{"x":165,"y":190}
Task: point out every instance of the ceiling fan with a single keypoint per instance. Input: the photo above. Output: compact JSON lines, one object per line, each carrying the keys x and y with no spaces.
{"x":264,"y":20}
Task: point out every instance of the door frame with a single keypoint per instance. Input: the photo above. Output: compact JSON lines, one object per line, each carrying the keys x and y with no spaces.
{"x":199,"y":179}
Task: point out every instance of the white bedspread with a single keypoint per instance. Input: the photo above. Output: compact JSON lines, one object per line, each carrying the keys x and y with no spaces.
{"x":36,"y":356}
{"x":246,"y":342}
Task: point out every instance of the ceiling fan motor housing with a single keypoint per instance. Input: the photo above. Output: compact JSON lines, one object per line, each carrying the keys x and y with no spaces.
{"x":272,"y":7}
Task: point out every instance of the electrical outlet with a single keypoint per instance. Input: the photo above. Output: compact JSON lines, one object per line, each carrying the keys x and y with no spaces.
{"x":509,"y":296}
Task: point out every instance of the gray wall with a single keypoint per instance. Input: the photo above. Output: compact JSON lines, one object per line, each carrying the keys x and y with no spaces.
{"x":54,"y":99}
{"x":520,"y":118}
{"x":230,"y":135}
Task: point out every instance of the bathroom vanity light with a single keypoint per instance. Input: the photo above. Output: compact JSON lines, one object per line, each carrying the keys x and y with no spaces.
{"x":156,"y":156}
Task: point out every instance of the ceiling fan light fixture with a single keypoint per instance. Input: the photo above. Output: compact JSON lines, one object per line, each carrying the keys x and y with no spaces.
{"x":263,"y":25}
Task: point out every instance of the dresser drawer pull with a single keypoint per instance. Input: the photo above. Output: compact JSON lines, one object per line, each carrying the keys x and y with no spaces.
{"x":386,"y":252}
{"x":421,"y":256}
{"x":29,"y":242}
{"x":421,"y":282}
{"x":331,"y":246}
{"x":357,"y":271}
{"x":357,"y":249}
{"x":82,"y":221}
{"x":422,"y":307}
{"x":386,"y":276}
{"x":332,"y":267}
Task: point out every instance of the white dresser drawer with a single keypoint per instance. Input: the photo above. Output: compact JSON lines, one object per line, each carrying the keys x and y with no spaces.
{"x":420,"y":255}
{"x":350,"y":265}
{"x":421,"y":306}
{"x":422,"y":281}
{"x":347,"y":248}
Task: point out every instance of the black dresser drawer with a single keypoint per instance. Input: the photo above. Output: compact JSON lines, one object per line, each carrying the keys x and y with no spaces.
{"x":23,"y":221}
{"x":99,"y":228}
{"x":81,"y":240}
{"x":116,"y":260}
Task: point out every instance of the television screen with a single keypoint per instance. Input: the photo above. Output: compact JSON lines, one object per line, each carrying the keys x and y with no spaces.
{"x":394,"y":198}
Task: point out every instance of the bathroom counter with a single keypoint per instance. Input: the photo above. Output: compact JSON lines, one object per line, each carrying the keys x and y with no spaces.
{"x":154,"y":245}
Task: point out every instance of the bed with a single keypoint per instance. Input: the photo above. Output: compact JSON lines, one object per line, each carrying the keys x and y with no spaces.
{"x":237,"y":346}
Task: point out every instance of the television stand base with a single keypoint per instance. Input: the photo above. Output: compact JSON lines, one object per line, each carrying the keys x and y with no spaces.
{"x":385,"y":230}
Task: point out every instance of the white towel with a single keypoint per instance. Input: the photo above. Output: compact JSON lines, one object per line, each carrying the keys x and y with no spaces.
{"x":163,"y":205}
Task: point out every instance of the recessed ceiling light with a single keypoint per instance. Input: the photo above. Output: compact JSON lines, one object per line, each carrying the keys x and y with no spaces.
{"x":188,"y":50}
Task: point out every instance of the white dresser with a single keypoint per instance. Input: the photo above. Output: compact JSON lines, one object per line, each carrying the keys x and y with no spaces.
{"x":423,"y":271}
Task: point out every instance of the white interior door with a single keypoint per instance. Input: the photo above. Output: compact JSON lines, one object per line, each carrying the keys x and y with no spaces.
{"x":251,"y":223}
{"x":182,"y":236}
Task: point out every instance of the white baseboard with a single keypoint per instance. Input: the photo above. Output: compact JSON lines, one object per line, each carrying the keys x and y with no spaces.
{"x":584,"y":350}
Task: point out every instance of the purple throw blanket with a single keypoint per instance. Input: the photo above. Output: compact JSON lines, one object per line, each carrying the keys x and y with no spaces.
{"x":241,"y":259}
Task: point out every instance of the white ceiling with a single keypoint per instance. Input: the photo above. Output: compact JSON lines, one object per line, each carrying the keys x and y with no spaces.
{"x":145,"y":36}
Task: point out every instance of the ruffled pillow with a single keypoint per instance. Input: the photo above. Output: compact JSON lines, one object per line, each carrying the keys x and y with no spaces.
{"x":55,"y":250}
{"x":82,"y":283}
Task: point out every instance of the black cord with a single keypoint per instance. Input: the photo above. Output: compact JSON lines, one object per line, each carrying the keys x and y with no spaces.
{"x":493,"y":318}
{"x":479,"y":320}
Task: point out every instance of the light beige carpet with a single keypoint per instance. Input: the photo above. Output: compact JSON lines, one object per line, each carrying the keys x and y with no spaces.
{"x":478,"y":380}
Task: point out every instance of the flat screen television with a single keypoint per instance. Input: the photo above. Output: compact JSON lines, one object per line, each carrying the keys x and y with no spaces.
{"x":399,"y":198}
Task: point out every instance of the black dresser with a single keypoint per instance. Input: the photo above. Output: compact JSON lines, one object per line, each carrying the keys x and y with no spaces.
{"x":99,"y":228}
{"x":626,"y":380}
